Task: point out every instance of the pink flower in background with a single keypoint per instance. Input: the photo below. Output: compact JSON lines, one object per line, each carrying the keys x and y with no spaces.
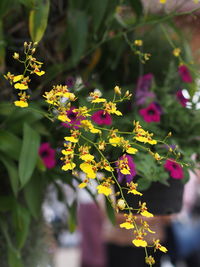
{"x":127,"y":177}
{"x":185,"y":74}
{"x":47,"y":155}
{"x":175,"y":170}
{"x":142,"y":90}
{"x":75,"y":119}
{"x":183,"y":101}
{"x":151,"y":113}
{"x":102,"y":117}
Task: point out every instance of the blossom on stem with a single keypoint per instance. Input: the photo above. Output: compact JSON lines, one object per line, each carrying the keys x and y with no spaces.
{"x":47,"y":155}
{"x":151,"y":113}
{"x":182,"y":100}
{"x":75,"y":119}
{"x":185,"y":74}
{"x":101,"y":117}
{"x":175,"y":170}
{"x":125,"y":168}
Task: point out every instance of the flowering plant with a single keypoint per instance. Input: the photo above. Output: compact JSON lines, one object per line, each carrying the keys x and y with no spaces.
{"x":88,"y":130}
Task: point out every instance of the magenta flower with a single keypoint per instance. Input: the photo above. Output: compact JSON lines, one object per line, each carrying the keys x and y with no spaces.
{"x":142,"y":90}
{"x":47,"y":155}
{"x":185,"y":74}
{"x":129,"y":177}
{"x":151,"y":113}
{"x":175,"y":170}
{"x":183,"y":101}
{"x":101,"y":117}
{"x":75,"y":119}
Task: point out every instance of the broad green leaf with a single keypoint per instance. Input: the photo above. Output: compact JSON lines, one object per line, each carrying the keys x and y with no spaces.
{"x":6,"y":203}
{"x":137,"y":6}
{"x":12,"y":173}
{"x":72,"y":220}
{"x":21,"y":222}
{"x":10,"y":144}
{"x":2,"y":48}
{"x":29,"y":154}
{"x":28,"y":3}
{"x":98,"y":12}
{"x":14,"y":259}
{"x":6,"y":108}
{"x":38,"y":18}
{"x":110,"y":212}
{"x":35,"y":187}
{"x":77,"y":30}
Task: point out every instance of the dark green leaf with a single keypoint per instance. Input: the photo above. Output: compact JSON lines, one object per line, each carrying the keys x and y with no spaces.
{"x":35,"y":187}
{"x":143,"y":184}
{"x":12,"y":173}
{"x":28,"y":3}
{"x":38,"y":20}
{"x":6,"y":203}
{"x":98,"y":12}
{"x":137,"y":6}
{"x":77,"y":30}
{"x":110,"y":212}
{"x":29,"y":154}
{"x":5,"y":6}
{"x":10,"y":144}
{"x":21,"y":221}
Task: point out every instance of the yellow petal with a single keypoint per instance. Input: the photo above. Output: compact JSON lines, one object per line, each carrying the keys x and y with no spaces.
{"x":146,"y":214}
{"x":67,"y":152}
{"x":131,"y":150}
{"x":71,"y":139}
{"x":104,"y":190}
{"x":87,"y":168}
{"x":63,"y":118}
{"x":163,"y":249}
{"x":39,"y":73}
{"x":127,"y":225}
{"x":125,"y":171}
{"x":21,"y":86}
{"x":21,"y":104}
{"x":108,"y":168}
{"x":18,"y":78}
{"x":87,"y":157}
{"x":68,"y":166}
{"x":135,"y":192}
{"x":118,"y":113}
{"x":115,"y":141}
{"x":82,"y":185}
{"x":98,"y":100}
{"x":139,"y":243}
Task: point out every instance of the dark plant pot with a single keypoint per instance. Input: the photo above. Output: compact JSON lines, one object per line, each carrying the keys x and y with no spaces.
{"x":160,"y":199}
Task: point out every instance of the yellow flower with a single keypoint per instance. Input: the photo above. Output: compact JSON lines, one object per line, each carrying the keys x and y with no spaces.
{"x":71,"y":139}
{"x":117,"y":90}
{"x":163,"y":1}
{"x":139,"y":242}
{"x":64,"y":118}
{"x":127,"y":225}
{"x":176,"y":52}
{"x":111,"y":109}
{"x":20,"y":103}
{"x":125,"y":171}
{"x":21,"y":86}
{"x":18,"y":78}
{"x":121,"y":204}
{"x":98,"y":100}
{"x":146,"y":213}
{"x":131,"y":150}
{"x":88,"y":169}
{"x":109,"y":168}
{"x":149,"y":260}
{"x":82,"y":185}
{"x":115,"y":141}
{"x":157,"y":245}
{"x":39,"y":73}
{"x":68,"y":166}
{"x":135,"y":192}
{"x":138,"y":42}
{"x":87,"y":157}
{"x":16,"y":55}
{"x":105,"y":190}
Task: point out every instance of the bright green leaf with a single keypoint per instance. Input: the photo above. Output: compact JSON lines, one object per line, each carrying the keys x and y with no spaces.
{"x":110,"y":212}
{"x":72,"y":220}
{"x":29,"y":154}
{"x":38,"y":20}
{"x":14,"y":259}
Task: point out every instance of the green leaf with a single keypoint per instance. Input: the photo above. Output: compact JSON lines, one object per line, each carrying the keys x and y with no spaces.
{"x":6,"y":203}
{"x":143,"y":184}
{"x":34,"y":193}
{"x":21,"y":222}
{"x":98,"y":12}
{"x":28,"y":3}
{"x":29,"y":154}
{"x":5,"y":6}
{"x":77,"y":33}
{"x":137,"y":6}
{"x":110,"y":212}
{"x":14,"y":259}
{"x":12,"y":172}
{"x":10,"y":144}
{"x":2,"y":48}
{"x":38,"y":18}
{"x":72,"y":220}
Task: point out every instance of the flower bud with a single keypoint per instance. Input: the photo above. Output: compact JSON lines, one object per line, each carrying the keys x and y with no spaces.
{"x":117,"y":90}
{"x":121,"y":204}
{"x":16,"y":56}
